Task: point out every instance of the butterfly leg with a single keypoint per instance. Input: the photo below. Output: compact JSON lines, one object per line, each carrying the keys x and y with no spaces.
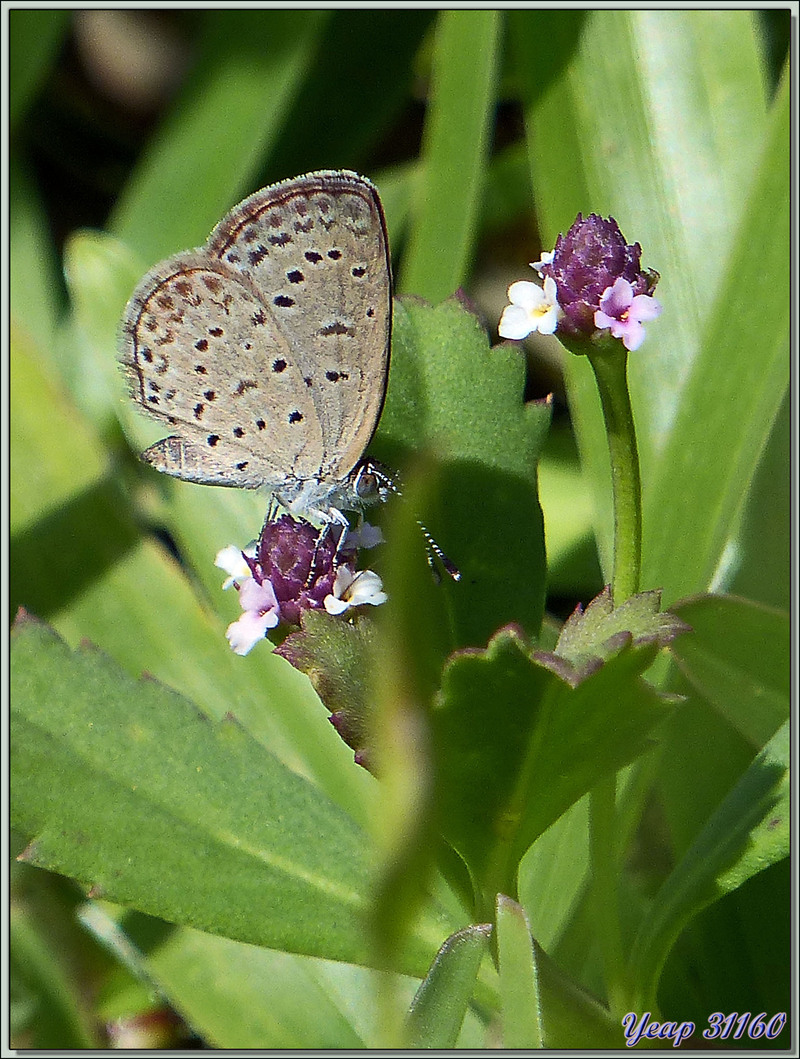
{"x":333,"y":519}
{"x":272,"y":510}
{"x":321,"y":538}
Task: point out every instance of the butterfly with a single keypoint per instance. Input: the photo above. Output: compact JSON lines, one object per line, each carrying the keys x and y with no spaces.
{"x":266,"y":350}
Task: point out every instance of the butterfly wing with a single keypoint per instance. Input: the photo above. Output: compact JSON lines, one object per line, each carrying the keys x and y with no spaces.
{"x":204,"y":354}
{"x":317,"y":247}
{"x":267,"y":349}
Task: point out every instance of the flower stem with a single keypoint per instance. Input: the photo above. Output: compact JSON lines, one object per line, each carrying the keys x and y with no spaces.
{"x":610,"y":369}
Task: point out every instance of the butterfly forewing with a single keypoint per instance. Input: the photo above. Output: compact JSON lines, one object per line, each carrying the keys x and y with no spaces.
{"x":317,"y":248}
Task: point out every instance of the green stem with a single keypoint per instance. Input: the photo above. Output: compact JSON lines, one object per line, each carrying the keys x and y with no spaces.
{"x":610,"y":369}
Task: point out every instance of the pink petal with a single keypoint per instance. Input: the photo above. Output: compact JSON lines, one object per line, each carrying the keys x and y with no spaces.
{"x":631,"y":333}
{"x":615,"y":300}
{"x":644,"y":307}
{"x":603,"y":320}
{"x":245,"y":633}
{"x":257,"y":597}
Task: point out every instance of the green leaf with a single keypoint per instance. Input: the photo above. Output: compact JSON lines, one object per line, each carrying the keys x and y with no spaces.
{"x":219,"y":986}
{"x":59,"y":969}
{"x":734,"y":955}
{"x":762,"y":554}
{"x":440,"y":1004}
{"x":249,"y":67}
{"x":116,"y":582}
{"x":453,"y":396}
{"x":405,"y":677}
{"x":621,"y":128}
{"x":127,"y":787}
{"x":460,"y":404}
{"x":52,"y":445}
{"x":691,"y":785}
{"x":396,"y":187}
{"x":507,"y":193}
{"x":739,"y":660}
{"x":34,"y":38}
{"x":598,"y":631}
{"x":748,"y":832}
{"x":338,"y":657}
{"x":34,"y":291}
{"x":100,"y":272}
{"x":709,"y":460}
{"x":571,"y":1018}
{"x":343,"y":110}
{"x":573,"y":569}
{"x":454,"y":152}
{"x":503,"y":728}
{"x":45,"y":998}
{"x":519,"y":987}
{"x":553,"y":874}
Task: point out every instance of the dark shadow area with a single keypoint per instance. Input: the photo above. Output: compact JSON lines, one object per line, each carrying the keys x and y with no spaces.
{"x":146,"y":932}
{"x":363,"y":66}
{"x":542,"y":44}
{"x":56,"y":558}
{"x":755,"y":919}
{"x":489,"y":523}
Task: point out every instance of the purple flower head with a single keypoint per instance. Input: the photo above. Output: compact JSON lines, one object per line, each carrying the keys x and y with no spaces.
{"x":587,"y":261}
{"x":285,"y":555}
{"x":291,"y":569}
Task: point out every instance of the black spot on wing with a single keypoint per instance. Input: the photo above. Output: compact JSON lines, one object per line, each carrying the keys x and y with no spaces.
{"x":336,"y":328}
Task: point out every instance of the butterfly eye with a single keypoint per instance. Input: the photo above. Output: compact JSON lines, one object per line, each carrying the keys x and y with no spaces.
{"x":367,"y":486}
{"x":372,"y":482}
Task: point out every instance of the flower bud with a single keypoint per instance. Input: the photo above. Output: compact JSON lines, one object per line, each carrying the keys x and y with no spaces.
{"x":587,"y":261}
{"x":298,"y":564}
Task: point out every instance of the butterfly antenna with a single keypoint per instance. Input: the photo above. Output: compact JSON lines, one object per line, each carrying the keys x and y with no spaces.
{"x":432,"y":550}
{"x":374,"y":479}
